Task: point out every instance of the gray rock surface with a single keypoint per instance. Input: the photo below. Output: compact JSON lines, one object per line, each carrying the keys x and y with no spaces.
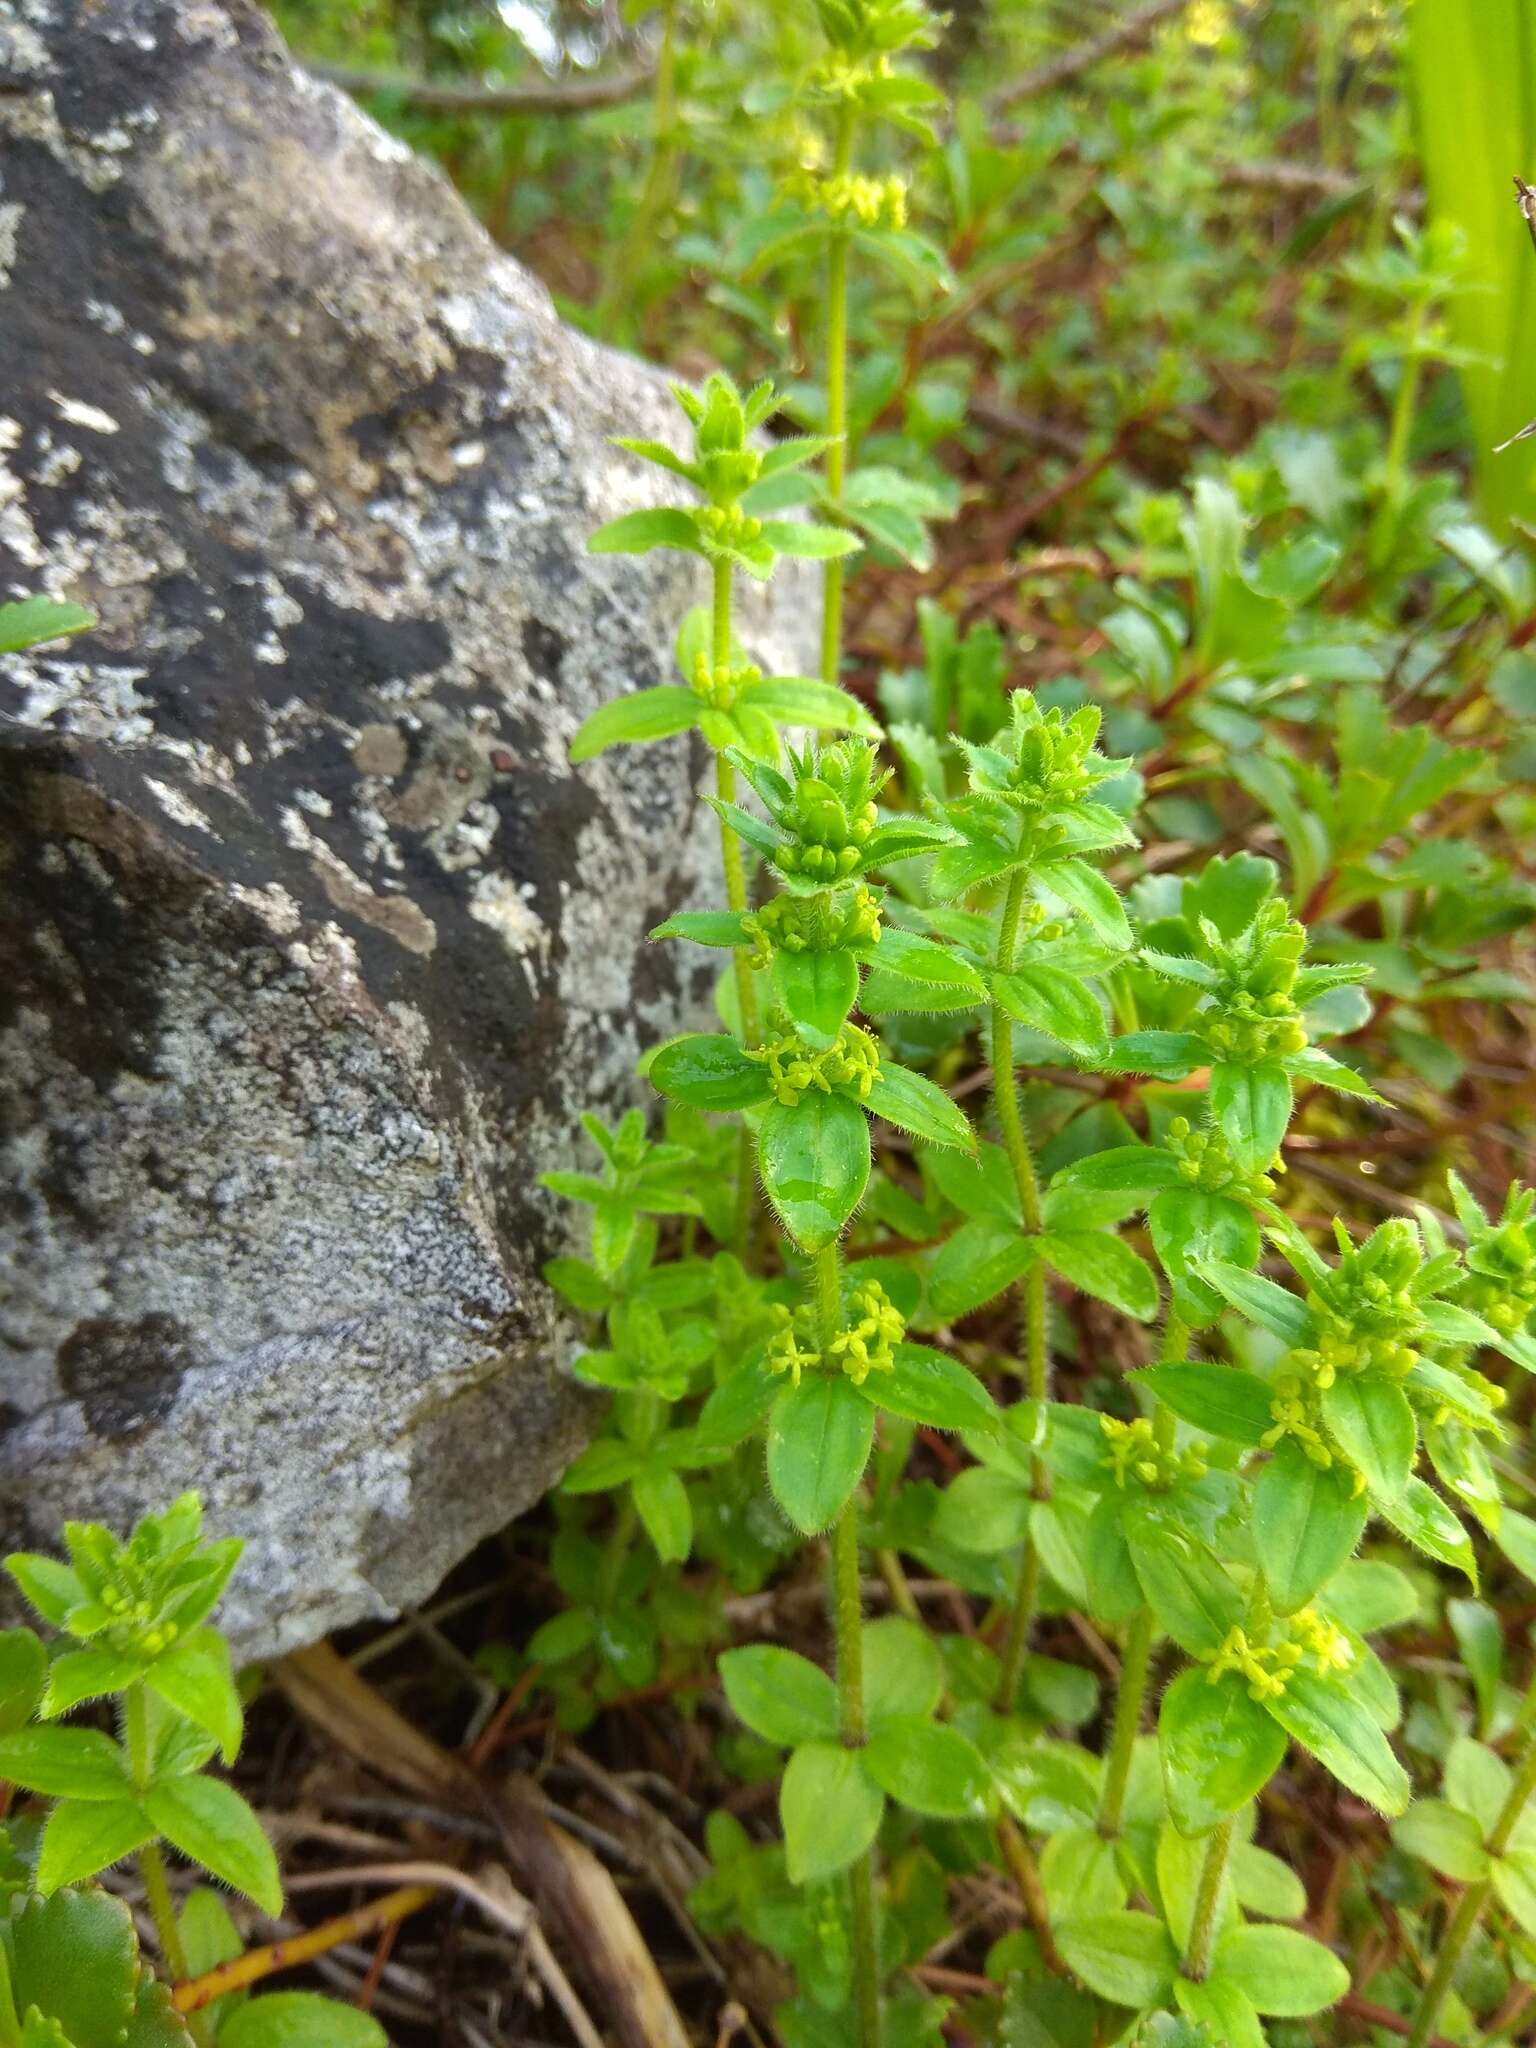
{"x":311,"y":943}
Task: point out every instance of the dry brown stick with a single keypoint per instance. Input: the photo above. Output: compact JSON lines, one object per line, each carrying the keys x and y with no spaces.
{"x":461,"y":96}
{"x":1061,"y":70}
{"x":575,"y":1896}
{"x":288,"y":1954}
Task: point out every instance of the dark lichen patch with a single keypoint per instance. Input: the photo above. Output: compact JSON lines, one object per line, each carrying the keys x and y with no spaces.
{"x":125,"y":1375}
{"x":545,"y":648}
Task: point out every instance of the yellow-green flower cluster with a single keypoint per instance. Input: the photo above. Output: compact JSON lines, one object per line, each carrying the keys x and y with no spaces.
{"x":1268,"y":1668}
{"x":852,"y":199}
{"x":868,"y":1342}
{"x":1295,"y":1416}
{"x":1249,"y":1029}
{"x":795,"y":1068}
{"x":813,"y":924}
{"x":719,"y":685}
{"x":130,"y":1612}
{"x":1205,"y":1162}
{"x":865,"y":1343}
{"x":1135,"y":1456}
{"x":724,"y":527}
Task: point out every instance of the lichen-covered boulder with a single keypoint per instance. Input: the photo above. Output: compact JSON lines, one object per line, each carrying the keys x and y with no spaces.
{"x":311,"y":942}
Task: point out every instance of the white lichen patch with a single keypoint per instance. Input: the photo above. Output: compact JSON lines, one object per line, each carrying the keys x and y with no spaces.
{"x":79,"y":412}
{"x":497,"y":902}
{"x":178,"y":807}
{"x":92,"y":700}
{"x":273,"y":905}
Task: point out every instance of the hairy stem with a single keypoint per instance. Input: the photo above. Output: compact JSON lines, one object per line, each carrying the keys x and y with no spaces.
{"x":1010,"y":1118}
{"x":1469,"y":1910}
{"x":660,"y":178}
{"x":736,"y":898}
{"x":1202,"y":1932}
{"x":837,"y":406}
{"x":1135,"y":1669}
{"x":848,"y":1627}
{"x":157,"y":1890}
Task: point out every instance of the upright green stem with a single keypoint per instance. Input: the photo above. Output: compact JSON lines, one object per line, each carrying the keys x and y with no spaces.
{"x":659,"y":177}
{"x":1469,"y":1911}
{"x":157,"y":1890}
{"x":1141,"y":1636}
{"x":848,"y":1624}
{"x":837,"y":404}
{"x":1404,"y":409}
{"x":736,"y":898}
{"x":1135,"y":1669}
{"x":1010,"y":1118}
{"x":1202,"y":1932}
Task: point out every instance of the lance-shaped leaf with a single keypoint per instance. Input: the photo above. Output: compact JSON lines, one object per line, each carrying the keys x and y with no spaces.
{"x":814,"y":1160}
{"x":819,"y":1437}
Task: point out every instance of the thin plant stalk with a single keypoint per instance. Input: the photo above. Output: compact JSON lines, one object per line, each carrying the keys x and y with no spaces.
{"x":1474,"y":1900}
{"x":1010,"y":1118}
{"x":837,"y":407}
{"x":660,"y":176}
{"x":736,"y":898}
{"x":1135,"y":1669}
{"x":848,"y":1626}
{"x":157,"y":1890}
{"x":1141,"y":1636}
{"x":1202,"y":1931}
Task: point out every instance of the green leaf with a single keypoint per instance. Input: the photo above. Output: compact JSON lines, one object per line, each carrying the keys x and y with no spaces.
{"x":46,"y":1584}
{"x":1191,"y":1595}
{"x":709,"y":1071}
{"x":1104,"y":1266}
{"x":1123,"y":1169}
{"x":1479,"y":1636}
{"x":87,"y":1674}
{"x":300,"y":2019}
{"x":977,"y":1263}
{"x":1217,"y":1398}
{"x":76,"y":1957}
{"x":64,"y":1763}
{"x":23,"y":1673}
{"x":926,"y":1767}
{"x":1188,"y":1226}
{"x":661,"y":1501}
{"x":1477,"y":1780}
{"x":1371,"y":1422}
{"x":1060,"y":1005}
{"x":634,"y":720}
{"x":817,"y":991}
{"x":1253,"y":1107}
{"x":739,"y":1403}
{"x":1273,"y":1308}
{"x":983,"y":1512}
{"x":83,"y":1836}
{"x":1306,"y":1524}
{"x":1218,"y":1748}
{"x":1514,"y":1880}
{"x":1169,"y":1054}
{"x":830,"y":1810}
{"x":903,"y":1670}
{"x":814,"y":1162}
{"x":195,"y":1678}
{"x":1127,"y":1958}
{"x":1283,"y":1973}
{"x":1423,"y":1519}
{"x":636,"y":533}
{"x":807,"y":541}
{"x":914,"y":1103}
{"x":800,"y":700}
{"x":704,"y":927}
{"x":1221,"y":2009}
{"x":1445,"y":1838}
{"x":1085,"y":890}
{"x":909,"y":973}
{"x":1325,"y":1717}
{"x":780,"y":1695}
{"x":980,"y":1184}
{"x":819,"y":1435}
{"x":33,"y":621}
{"x":1264,"y":1885}
{"x":927,"y":1386}
{"x":212,"y":1825}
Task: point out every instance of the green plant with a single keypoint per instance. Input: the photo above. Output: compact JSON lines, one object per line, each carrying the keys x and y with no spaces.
{"x":134,"y":1626}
